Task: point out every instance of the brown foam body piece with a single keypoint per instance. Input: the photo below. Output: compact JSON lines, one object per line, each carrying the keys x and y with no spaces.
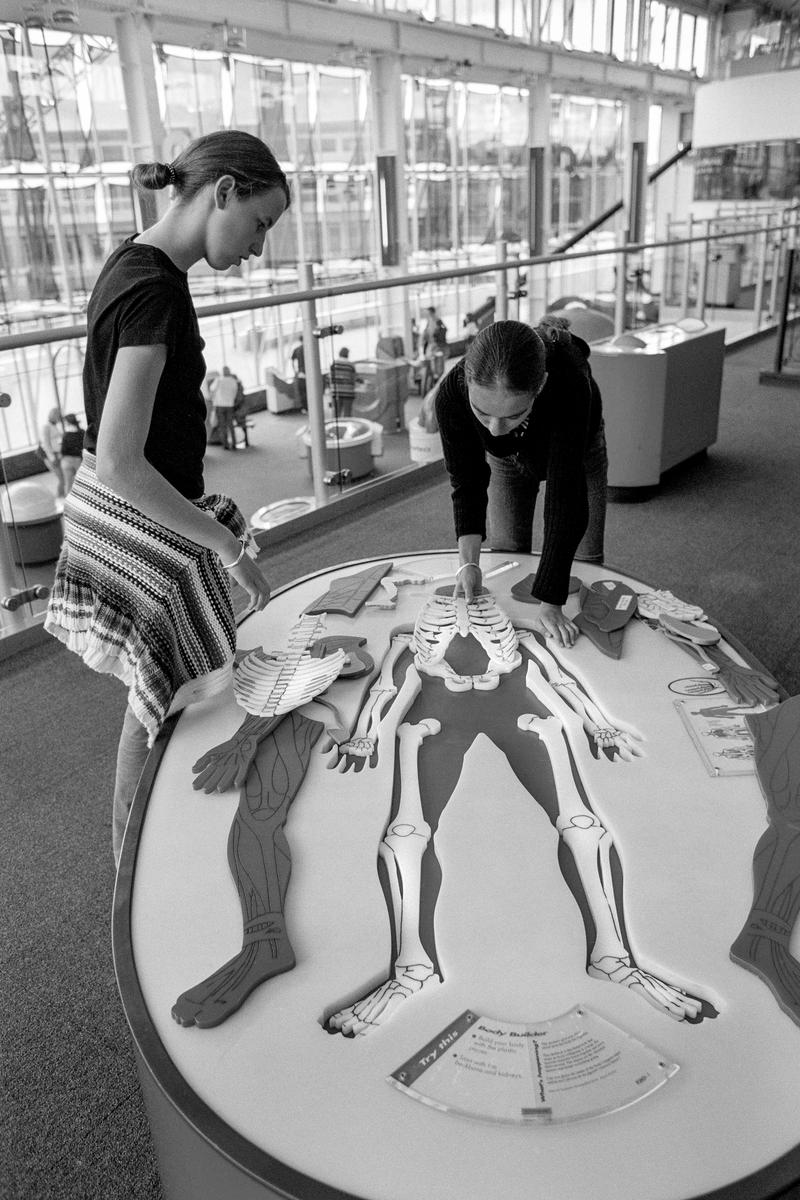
{"x":346,"y":594}
{"x":522,"y":589}
{"x":763,"y":944}
{"x":606,"y":608}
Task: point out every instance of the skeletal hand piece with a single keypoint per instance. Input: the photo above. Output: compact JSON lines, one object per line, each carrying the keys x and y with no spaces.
{"x":226,"y":765}
{"x":623,"y":743}
{"x":652,"y":605}
{"x":357,"y":753}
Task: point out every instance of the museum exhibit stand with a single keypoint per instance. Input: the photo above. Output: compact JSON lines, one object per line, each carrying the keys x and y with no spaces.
{"x":424,"y":905}
{"x":661,"y":389}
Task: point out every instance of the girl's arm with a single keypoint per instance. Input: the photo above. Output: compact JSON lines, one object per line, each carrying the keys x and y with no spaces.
{"x":122,"y":466}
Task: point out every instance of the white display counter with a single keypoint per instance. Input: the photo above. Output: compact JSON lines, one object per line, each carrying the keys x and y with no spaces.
{"x":661,"y":399}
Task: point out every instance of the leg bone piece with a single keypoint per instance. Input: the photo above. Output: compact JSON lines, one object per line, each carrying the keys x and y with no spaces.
{"x":590,"y":845}
{"x":404,"y":844}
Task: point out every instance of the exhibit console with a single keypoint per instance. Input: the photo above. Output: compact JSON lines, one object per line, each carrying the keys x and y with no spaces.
{"x":422,"y":867}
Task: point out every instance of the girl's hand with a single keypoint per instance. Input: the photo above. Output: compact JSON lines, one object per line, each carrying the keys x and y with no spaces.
{"x":468,"y":581}
{"x":250,"y":577}
{"x":554,"y":624}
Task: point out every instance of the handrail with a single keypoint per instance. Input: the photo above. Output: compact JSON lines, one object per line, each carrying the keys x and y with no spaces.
{"x":66,"y":333}
{"x":609,"y":212}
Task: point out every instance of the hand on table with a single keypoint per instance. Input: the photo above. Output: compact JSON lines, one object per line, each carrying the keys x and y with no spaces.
{"x":554,"y":623}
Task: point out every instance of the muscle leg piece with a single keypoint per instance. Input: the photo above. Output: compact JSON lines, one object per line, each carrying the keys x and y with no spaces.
{"x":763,"y":944}
{"x":403,"y":846}
{"x":260,"y":862}
{"x":589,"y":843}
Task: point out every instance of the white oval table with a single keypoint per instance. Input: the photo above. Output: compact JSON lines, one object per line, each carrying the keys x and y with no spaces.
{"x":269,"y":1104}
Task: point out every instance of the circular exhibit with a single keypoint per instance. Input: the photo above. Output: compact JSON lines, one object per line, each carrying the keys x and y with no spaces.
{"x":270,"y":515}
{"x":425,"y":905}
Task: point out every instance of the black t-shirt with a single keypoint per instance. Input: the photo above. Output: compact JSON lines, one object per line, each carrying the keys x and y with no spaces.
{"x":142,"y":299}
{"x":72,"y":443}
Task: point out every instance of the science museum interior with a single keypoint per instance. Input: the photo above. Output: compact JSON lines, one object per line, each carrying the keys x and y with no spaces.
{"x":441,"y":1024}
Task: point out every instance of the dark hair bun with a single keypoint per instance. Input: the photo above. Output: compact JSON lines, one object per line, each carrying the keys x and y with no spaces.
{"x":152,"y":176}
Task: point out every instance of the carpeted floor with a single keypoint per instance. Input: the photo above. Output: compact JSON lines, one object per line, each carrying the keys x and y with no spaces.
{"x":722,"y":532}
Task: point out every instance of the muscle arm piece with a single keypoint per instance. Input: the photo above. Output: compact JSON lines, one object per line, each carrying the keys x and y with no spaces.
{"x":347,"y":593}
{"x":226,"y":765}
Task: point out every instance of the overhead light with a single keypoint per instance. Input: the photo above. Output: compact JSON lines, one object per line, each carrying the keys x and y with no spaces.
{"x":234,"y":37}
{"x":64,"y":14}
{"x":33,"y":14}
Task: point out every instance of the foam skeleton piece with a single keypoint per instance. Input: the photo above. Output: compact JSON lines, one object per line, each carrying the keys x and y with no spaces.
{"x":270,"y":683}
{"x":404,"y":843}
{"x":443,"y":618}
{"x":590,"y":844}
{"x":605,"y":733}
{"x":653,"y":605}
{"x":407,"y":844}
{"x":361,"y":747}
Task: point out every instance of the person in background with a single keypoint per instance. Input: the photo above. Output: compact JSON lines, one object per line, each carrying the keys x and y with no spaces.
{"x":50,"y":436}
{"x":343,"y":384}
{"x":71,"y":450}
{"x":143,"y":583}
{"x":205,"y":389}
{"x":434,"y":349}
{"x":521,"y":409}
{"x":240,"y":411}
{"x":470,"y":329}
{"x":224,"y":391}
{"x":299,"y":365}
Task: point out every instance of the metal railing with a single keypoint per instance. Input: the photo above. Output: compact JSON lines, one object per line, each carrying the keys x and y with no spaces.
{"x":772,"y":237}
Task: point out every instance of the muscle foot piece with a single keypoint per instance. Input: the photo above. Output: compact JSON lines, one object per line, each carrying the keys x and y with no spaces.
{"x":380,"y":1005}
{"x":264,"y":955}
{"x":763,"y":948}
{"x":666,"y":997}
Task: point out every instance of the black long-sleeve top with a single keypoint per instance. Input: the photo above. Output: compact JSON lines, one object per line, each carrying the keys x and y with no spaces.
{"x":552,"y":442}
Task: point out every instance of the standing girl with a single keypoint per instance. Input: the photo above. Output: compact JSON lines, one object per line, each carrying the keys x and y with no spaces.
{"x":142,"y":586}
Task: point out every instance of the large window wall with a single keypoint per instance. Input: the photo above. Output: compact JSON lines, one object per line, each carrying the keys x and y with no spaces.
{"x":670,"y":36}
{"x":66,"y":197}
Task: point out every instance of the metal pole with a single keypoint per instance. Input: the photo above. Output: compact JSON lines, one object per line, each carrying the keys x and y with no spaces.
{"x":776,"y":274}
{"x":758,"y":303}
{"x":702,"y":281}
{"x":787,"y":295}
{"x":50,"y":185}
{"x":9,"y":581}
{"x":687,"y":271}
{"x":620,"y":289}
{"x":500,"y":283}
{"x":316,"y":414}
